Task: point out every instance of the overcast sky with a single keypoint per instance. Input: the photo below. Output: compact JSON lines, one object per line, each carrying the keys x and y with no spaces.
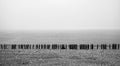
{"x":59,"y":14}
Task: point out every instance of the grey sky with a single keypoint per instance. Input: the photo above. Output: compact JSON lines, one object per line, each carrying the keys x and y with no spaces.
{"x":59,"y":14}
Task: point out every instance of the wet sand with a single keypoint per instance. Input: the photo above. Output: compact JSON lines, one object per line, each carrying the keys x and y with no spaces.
{"x":58,"y":58}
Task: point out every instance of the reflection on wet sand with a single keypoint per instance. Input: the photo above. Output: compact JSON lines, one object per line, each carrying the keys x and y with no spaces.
{"x":50,"y":59}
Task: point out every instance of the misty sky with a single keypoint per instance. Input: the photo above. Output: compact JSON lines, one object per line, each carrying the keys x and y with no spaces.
{"x":59,"y":14}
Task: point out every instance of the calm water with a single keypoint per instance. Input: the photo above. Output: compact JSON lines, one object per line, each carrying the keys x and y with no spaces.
{"x":83,"y":36}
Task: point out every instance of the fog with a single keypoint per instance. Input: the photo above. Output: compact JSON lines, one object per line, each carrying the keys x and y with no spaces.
{"x":39,"y":15}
